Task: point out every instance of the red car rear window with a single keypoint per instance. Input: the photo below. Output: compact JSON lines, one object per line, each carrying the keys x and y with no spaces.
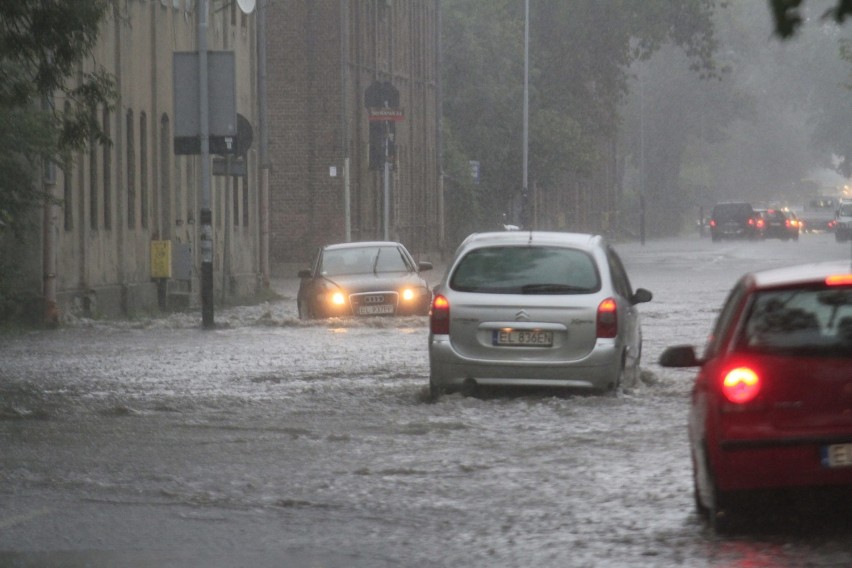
{"x":802,"y":321}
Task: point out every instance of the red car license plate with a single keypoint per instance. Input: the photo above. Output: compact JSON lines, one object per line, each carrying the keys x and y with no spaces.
{"x":522,"y":337}
{"x":837,"y":455}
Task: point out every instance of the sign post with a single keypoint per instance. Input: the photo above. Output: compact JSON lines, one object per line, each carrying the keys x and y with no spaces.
{"x":382,"y":102}
{"x":195,"y":86}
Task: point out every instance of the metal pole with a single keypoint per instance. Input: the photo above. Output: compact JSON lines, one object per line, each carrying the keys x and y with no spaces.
{"x":263,"y":206}
{"x":347,"y":199}
{"x":206,"y":213}
{"x":525,"y":211}
{"x":642,"y":156}
{"x":386,"y":212}
{"x":344,"y":117}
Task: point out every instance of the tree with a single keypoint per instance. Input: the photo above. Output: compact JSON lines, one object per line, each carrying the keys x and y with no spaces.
{"x":42,"y":46}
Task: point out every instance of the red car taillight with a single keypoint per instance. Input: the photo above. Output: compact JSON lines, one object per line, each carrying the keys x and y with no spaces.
{"x":439,"y":316}
{"x":760,"y":223}
{"x":712,"y":222}
{"x":839,"y":280}
{"x":741,"y":385}
{"x":607,"y":324}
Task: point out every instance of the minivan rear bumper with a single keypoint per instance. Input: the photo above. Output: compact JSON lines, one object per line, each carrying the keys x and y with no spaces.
{"x":451,"y":372}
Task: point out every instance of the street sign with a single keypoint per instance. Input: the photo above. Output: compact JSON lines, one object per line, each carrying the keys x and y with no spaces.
{"x":221,"y":97}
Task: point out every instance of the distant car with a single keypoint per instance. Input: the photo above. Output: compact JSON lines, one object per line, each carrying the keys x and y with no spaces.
{"x":794,"y":224}
{"x":843,"y":222}
{"x":733,"y":220}
{"x":776,"y":224}
{"x":771,"y":407}
{"x":535,"y":309}
{"x":376,"y":278}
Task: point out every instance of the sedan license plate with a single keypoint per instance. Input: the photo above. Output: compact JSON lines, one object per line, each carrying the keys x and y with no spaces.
{"x":837,"y":455}
{"x":375,"y":309}
{"x":522,"y":337}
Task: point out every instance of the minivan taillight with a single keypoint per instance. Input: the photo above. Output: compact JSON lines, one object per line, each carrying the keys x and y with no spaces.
{"x":607,"y":324}
{"x":439,"y":316}
{"x":741,"y":385}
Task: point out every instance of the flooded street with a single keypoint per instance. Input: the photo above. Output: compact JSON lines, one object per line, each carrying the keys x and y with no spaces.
{"x":275,"y":442}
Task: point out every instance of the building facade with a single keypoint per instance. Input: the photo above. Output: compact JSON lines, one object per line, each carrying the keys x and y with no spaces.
{"x":322,"y":59}
{"x":122,"y":238}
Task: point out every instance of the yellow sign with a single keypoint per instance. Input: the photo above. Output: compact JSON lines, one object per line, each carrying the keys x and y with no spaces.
{"x":161,"y":259}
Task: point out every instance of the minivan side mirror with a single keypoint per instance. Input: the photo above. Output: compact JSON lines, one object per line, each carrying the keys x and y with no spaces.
{"x":641,"y":296}
{"x":680,"y":356}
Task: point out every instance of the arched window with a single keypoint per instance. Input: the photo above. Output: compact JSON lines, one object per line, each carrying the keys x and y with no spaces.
{"x":143,"y":168}
{"x":131,"y":172}
{"x":106,"y":150}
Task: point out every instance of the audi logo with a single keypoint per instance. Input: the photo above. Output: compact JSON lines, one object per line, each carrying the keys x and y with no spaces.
{"x":374,"y":299}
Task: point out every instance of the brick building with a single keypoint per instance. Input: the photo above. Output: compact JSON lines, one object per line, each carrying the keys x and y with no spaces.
{"x":322,"y":57}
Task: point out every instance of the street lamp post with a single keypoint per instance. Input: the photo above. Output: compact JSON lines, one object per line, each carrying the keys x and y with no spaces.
{"x":525,"y":186}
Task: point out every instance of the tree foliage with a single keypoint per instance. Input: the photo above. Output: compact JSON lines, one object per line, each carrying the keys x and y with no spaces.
{"x":579,"y":54}
{"x":43,"y":44}
{"x":789,"y":19}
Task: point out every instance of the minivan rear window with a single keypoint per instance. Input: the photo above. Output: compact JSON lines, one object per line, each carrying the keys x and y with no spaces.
{"x":526,"y":270}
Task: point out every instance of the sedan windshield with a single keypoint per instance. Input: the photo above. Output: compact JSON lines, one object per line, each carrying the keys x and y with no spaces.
{"x":814,"y":321}
{"x":363,"y":260}
{"x":526,"y":270}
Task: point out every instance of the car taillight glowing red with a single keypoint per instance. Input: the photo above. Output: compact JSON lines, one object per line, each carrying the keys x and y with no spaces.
{"x":607,"y":324}
{"x":839,"y":280}
{"x":439,"y":316}
{"x":741,"y":385}
{"x":712,"y":222}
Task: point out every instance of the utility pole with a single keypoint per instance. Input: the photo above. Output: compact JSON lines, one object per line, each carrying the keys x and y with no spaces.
{"x":206,"y":213}
{"x":525,"y":203}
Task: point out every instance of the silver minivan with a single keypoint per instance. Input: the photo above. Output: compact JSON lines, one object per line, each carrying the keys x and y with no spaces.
{"x":535,"y":309}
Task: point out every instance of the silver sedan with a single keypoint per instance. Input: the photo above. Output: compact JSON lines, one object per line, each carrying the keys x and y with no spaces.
{"x":537,"y":309}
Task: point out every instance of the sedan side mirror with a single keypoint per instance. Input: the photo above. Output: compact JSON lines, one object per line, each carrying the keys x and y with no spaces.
{"x":424,"y":266}
{"x":304,"y":274}
{"x":680,"y":356}
{"x":641,"y":296}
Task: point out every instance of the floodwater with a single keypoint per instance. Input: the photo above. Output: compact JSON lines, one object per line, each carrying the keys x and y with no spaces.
{"x":274,"y":442}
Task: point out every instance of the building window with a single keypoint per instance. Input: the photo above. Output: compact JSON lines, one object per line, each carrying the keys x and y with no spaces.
{"x":235,"y":195}
{"x":143,"y":168}
{"x":165,"y":170}
{"x":131,"y":172}
{"x":67,"y":203}
{"x":93,"y":184}
{"x":244,"y":184}
{"x":67,"y":189}
{"x":107,"y":170}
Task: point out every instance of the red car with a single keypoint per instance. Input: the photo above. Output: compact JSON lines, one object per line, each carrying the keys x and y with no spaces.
{"x":771,"y":407}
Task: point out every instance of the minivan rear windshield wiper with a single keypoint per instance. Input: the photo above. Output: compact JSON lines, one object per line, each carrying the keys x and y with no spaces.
{"x":552,"y":289}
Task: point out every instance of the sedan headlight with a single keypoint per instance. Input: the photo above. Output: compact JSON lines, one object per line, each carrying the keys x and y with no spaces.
{"x":412,"y":294}
{"x":338,"y":298}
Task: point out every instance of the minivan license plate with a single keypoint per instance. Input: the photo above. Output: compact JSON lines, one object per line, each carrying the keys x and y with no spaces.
{"x":837,"y":455}
{"x":522,"y":337}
